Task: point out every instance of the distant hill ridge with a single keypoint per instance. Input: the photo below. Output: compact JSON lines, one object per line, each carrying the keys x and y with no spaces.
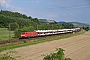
{"x":61,"y":22}
{"x":78,"y":24}
{"x":47,"y":21}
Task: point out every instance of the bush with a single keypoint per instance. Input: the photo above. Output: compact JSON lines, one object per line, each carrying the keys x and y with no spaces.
{"x":17,"y":33}
{"x":86,"y":28}
{"x":9,"y":55}
{"x":56,"y":56}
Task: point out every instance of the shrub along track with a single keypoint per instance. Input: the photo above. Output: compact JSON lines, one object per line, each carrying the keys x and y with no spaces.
{"x":76,"y":48}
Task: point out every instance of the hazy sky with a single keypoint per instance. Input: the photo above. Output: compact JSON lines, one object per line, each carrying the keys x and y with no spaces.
{"x":58,"y":10}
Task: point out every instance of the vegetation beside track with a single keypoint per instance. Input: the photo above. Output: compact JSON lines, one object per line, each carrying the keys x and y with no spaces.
{"x":4,"y":34}
{"x":36,"y":41}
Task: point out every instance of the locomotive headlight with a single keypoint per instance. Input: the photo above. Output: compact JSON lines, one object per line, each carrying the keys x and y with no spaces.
{"x":22,"y":35}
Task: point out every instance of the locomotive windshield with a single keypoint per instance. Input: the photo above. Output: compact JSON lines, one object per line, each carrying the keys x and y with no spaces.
{"x":23,"y":33}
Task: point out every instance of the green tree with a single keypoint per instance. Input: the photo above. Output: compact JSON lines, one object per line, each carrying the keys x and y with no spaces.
{"x":56,"y":56}
{"x":17,"y":33}
{"x":13,"y":26}
{"x":27,"y":28}
{"x":86,"y":28}
{"x":30,"y":17}
{"x":67,"y":26}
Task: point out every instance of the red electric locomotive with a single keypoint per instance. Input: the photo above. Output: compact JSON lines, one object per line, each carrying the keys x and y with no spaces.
{"x":28,"y":34}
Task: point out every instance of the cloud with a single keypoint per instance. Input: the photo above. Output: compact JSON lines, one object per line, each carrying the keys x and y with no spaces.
{"x":73,"y":7}
{"x":4,"y":3}
{"x":78,"y":7}
{"x":70,"y":13}
{"x":36,"y":2}
{"x":64,"y":14}
{"x":88,"y":2}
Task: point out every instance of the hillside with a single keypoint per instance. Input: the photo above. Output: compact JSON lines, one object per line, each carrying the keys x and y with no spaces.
{"x":7,"y":17}
{"x":24,"y":22}
{"x":46,"y":21}
{"x":61,"y":22}
{"x":43,"y":20}
{"x":77,"y":24}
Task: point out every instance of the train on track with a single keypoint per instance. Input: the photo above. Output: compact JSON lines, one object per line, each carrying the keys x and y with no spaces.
{"x":38,"y":33}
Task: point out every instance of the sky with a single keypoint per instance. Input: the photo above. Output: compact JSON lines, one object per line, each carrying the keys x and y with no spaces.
{"x":58,"y":10}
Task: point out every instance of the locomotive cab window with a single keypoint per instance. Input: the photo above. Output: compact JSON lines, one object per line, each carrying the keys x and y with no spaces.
{"x":23,"y":33}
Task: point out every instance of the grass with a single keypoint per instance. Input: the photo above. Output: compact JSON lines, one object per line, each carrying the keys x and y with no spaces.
{"x":4,"y":34}
{"x":36,"y":41}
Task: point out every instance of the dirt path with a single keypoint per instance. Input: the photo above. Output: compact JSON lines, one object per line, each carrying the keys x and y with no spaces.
{"x":76,"y":48}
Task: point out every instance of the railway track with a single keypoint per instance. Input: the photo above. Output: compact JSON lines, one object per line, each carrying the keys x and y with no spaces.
{"x":14,"y":41}
{"x":24,"y":40}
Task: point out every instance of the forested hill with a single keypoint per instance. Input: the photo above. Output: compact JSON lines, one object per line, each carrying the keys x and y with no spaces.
{"x":7,"y":17}
{"x":77,"y":24}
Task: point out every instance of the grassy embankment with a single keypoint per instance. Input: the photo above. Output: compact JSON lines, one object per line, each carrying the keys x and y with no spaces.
{"x":36,"y":41}
{"x":4,"y":34}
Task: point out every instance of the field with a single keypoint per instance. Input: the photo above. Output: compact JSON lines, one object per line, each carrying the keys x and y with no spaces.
{"x":4,"y":34}
{"x":76,"y":48}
